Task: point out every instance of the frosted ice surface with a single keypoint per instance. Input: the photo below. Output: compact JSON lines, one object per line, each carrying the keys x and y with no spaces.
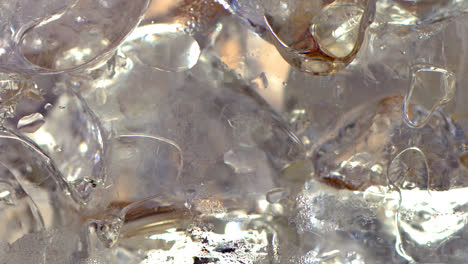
{"x":4,"y":248}
{"x":49,"y":247}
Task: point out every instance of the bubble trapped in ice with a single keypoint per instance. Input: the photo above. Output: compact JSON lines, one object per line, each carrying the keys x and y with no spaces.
{"x":428,"y":81}
{"x":85,"y":33}
{"x":313,"y":36}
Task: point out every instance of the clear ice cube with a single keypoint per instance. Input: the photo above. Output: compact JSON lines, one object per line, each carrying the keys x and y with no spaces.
{"x":70,"y":133}
{"x":194,"y":111}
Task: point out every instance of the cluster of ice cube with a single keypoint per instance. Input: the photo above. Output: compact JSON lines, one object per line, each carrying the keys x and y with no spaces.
{"x":241,"y":131}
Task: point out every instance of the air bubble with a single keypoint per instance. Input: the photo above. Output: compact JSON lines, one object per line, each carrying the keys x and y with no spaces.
{"x":431,"y":88}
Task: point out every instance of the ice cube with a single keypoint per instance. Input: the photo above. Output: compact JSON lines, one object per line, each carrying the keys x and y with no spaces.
{"x":70,"y":133}
{"x":204,"y":115}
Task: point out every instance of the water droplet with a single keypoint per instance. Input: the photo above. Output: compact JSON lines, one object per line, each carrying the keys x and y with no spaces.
{"x":275,"y":195}
{"x":431,"y":88}
{"x":327,"y":43}
{"x":30,"y":123}
{"x":409,"y":169}
{"x":108,"y":231}
{"x":164,"y":47}
{"x":84,"y":187}
{"x":336,"y":29}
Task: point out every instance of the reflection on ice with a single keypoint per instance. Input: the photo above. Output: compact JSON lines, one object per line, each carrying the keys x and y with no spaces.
{"x":424,"y":224}
{"x":163,"y":46}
